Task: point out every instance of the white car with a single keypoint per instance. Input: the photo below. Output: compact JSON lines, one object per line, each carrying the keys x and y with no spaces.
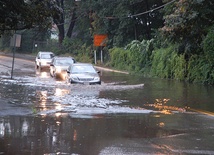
{"x":59,"y":66}
{"x":83,"y":73}
{"x":43,"y":59}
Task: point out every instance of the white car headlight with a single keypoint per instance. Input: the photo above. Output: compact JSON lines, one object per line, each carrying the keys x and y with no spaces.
{"x":58,"y":70}
{"x":97,"y":78}
{"x":74,"y":78}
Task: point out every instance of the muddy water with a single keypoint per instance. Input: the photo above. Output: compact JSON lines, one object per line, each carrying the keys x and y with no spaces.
{"x":123,"y":115}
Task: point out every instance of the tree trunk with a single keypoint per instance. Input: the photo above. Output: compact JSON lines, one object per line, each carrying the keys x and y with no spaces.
{"x":59,"y":21}
{"x":61,"y":33}
{"x":72,"y":23}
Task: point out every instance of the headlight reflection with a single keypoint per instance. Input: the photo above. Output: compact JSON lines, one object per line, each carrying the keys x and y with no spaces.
{"x":42,"y":74}
{"x":61,"y":92}
{"x":43,"y":99}
{"x":161,"y":105}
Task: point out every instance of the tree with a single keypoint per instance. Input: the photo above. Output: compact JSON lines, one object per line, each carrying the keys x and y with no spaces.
{"x":125,"y":20}
{"x":85,"y":18}
{"x":67,"y":18}
{"x":59,"y":20}
{"x":26,"y":14}
{"x":187,"y":22}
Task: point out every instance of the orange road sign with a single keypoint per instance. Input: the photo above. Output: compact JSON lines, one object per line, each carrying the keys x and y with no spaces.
{"x":100,"y":39}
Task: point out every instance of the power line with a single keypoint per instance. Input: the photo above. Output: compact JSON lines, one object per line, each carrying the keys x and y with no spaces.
{"x":142,"y":13}
{"x":129,"y":16}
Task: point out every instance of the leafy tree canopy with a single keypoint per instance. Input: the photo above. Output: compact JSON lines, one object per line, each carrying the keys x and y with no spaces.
{"x":124,"y":20}
{"x":26,"y":14}
{"x":187,"y":22}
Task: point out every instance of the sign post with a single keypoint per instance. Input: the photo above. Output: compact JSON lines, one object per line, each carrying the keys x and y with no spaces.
{"x":15,"y":41}
{"x":95,"y":57}
{"x":100,"y":40}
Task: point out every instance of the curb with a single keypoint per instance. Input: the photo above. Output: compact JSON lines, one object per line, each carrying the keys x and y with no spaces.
{"x":111,"y":70}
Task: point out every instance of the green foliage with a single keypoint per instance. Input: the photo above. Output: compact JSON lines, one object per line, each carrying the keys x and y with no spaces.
{"x":166,"y":63}
{"x":5,"y":42}
{"x":208,"y":46}
{"x":54,"y":46}
{"x":84,"y":54}
{"x":135,"y":57}
{"x":199,"y":70}
{"x":140,"y":53}
{"x":20,"y":14}
{"x":77,"y":49}
{"x":32,"y":37}
{"x":120,"y":21}
{"x":119,"y":58}
{"x":187,"y":22}
{"x":201,"y":67}
{"x":71,"y":46}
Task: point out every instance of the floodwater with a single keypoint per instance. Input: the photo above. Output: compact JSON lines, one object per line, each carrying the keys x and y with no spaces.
{"x":124,"y":115}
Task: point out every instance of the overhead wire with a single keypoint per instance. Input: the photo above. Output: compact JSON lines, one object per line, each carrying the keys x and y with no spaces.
{"x":129,"y":16}
{"x":142,"y":13}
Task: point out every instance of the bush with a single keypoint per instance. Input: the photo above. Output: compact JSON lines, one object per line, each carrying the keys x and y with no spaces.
{"x":119,"y":58}
{"x":166,"y":63}
{"x":208,"y":46}
{"x":71,"y":46}
{"x":134,"y":58}
{"x":199,"y":70}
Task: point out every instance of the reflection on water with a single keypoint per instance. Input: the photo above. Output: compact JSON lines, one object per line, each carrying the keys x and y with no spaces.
{"x":46,"y":135}
{"x":61,"y":92}
{"x":42,"y":98}
{"x":42,"y":74}
{"x":65,"y":135}
{"x":161,"y":105}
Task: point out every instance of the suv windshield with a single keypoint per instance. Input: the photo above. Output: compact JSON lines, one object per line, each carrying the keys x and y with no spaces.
{"x":46,"y":56}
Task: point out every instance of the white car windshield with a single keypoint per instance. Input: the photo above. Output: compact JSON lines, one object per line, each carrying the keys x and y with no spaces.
{"x":46,"y":56}
{"x":83,"y":69}
{"x":64,"y":62}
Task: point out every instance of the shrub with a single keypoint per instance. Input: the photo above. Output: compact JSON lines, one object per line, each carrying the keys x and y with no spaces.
{"x":208,"y":46}
{"x":119,"y":58}
{"x":199,"y":70}
{"x":166,"y":63}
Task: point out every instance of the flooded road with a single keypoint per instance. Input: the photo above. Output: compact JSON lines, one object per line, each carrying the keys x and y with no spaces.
{"x":124,"y":115}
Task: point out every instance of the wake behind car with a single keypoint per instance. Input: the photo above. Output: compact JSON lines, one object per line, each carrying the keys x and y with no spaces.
{"x":43,"y":59}
{"x":59,"y":66}
{"x":83,"y":73}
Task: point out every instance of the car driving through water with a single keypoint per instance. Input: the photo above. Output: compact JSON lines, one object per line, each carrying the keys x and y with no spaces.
{"x":59,"y":66}
{"x":43,"y":59}
{"x":83,"y":73}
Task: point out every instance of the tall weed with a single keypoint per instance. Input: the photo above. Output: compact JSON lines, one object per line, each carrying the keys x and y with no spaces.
{"x":199,"y":70}
{"x":166,"y":63}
